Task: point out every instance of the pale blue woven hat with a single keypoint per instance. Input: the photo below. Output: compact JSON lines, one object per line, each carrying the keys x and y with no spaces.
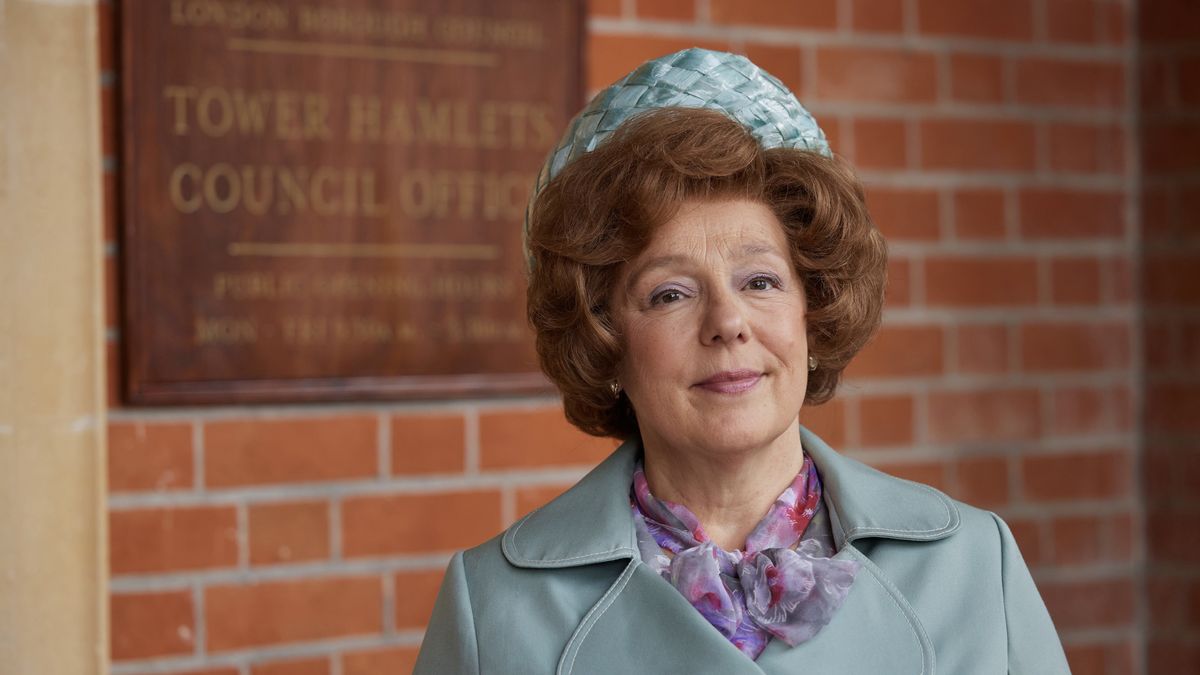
{"x":691,"y":78}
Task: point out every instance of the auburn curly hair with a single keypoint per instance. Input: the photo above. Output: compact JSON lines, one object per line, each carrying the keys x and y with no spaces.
{"x":603,"y":208}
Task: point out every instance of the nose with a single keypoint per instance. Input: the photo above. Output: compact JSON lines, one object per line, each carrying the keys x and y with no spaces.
{"x":724,"y":320}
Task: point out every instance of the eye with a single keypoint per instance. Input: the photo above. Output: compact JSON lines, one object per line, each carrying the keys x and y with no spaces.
{"x":666,"y":297}
{"x":762,"y":282}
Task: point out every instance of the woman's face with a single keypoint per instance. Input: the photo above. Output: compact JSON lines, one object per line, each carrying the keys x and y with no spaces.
{"x":712,"y":317}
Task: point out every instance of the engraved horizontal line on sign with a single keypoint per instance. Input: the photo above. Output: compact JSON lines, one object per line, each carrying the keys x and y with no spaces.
{"x":450,"y":57}
{"x":318,"y":250}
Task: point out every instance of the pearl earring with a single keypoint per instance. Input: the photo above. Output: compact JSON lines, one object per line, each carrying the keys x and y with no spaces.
{"x":812,"y":363}
{"x":615,"y":388}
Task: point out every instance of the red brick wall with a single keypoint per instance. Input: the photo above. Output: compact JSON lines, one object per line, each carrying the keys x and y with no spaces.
{"x":1169,"y":108}
{"x":996,"y":139}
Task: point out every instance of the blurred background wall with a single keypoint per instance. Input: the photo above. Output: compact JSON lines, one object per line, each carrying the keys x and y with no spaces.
{"x":1035,"y":166}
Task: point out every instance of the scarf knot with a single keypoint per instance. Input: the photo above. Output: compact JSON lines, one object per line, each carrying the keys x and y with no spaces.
{"x":782,"y":584}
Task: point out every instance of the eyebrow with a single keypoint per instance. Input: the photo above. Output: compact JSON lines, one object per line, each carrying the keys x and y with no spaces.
{"x":751,"y":250}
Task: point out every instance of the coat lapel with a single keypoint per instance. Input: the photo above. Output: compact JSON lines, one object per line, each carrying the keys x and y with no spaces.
{"x":642,"y":624}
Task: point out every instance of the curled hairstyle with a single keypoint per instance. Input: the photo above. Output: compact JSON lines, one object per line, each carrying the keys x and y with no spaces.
{"x":604,"y":207}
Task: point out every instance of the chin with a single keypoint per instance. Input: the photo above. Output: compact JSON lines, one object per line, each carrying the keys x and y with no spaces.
{"x":744,"y":433}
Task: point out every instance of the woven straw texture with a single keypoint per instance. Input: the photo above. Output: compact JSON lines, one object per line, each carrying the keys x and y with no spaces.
{"x":691,"y":78}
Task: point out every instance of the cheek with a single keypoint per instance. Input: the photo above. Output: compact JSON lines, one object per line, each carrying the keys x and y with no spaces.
{"x":649,"y":346}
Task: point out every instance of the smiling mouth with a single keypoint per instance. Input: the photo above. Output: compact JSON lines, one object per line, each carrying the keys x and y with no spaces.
{"x":731,"y":381}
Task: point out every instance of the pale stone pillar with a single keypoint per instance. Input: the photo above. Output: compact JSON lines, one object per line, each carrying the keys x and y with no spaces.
{"x":53,"y":538}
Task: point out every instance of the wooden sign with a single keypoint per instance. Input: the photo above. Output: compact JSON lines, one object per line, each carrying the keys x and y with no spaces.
{"x":323,"y":200}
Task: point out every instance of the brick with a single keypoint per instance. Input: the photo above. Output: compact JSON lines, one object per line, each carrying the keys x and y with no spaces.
{"x":1169,"y":21}
{"x":317,"y":666}
{"x":1078,"y":540}
{"x":991,"y":416}
{"x":1086,"y":148}
{"x":1171,"y":407}
{"x":880,"y":143}
{"x":415,"y":594}
{"x":1103,"y":474}
{"x":1170,"y":280}
{"x":883,"y":75}
{"x":931,"y":473}
{"x":151,"y":624}
{"x":1170,"y":147}
{"x":877,"y":16}
{"x":1075,"y":281}
{"x":1074,"y":21}
{"x":171,"y":539}
{"x":1171,"y":537}
{"x":1123,"y":538}
{"x":983,"y":481}
{"x":977,"y":18}
{"x":1055,"y":213}
{"x":785,"y":63}
{"x":144,"y":456}
{"x":980,"y":281}
{"x":1080,"y":410}
{"x":900,"y":351}
{"x":114,"y":375}
{"x":1172,"y":655}
{"x":248,"y":452}
{"x":1156,"y":84}
{"x":610,"y":57}
{"x":886,"y":420}
{"x":979,"y":213}
{"x":288,"y":532}
{"x":423,"y":444}
{"x":899,"y":282}
{"x":505,"y":441}
{"x":1089,"y":659}
{"x":905,"y":214}
{"x":827,"y":420}
{"x":380,"y":661}
{"x":536,"y":496}
{"x":418,"y":523}
{"x":982,"y":348}
{"x":1089,"y":604}
{"x":812,"y":14}
{"x":1188,"y":81}
{"x":1074,"y":347}
{"x":604,"y":7}
{"x":1028,"y":534}
{"x":276,"y":612}
{"x":677,"y":10}
{"x":833,"y":128}
{"x":977,"y":78}
{"x":978,"y":145}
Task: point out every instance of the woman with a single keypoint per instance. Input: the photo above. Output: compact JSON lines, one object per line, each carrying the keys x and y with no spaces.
{"x":701,"y":268}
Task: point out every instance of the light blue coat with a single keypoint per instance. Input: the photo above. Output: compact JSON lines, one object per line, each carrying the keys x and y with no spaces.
{"x":943,"y":589}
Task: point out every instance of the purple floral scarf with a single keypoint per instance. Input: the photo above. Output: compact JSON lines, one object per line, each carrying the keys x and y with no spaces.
{"x":782,"y":584}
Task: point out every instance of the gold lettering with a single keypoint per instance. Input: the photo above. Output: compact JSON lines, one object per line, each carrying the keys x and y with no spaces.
{"x":224,"y":331}
{"x":323,"y":205}
{"x":258,"y":202}
{"x":220,"y":124}
{"x":233,"y":14}
{"x":251,"y":111}
{"x":290,"y":185}
{"x":434,"y":124}
{"x":175,"y":188}
{"x":179,"y":98}
{"x":233,"y":190}
{"x":366,"y":118}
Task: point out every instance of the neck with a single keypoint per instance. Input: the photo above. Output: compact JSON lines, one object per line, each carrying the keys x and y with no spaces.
{"x":729,"y":491}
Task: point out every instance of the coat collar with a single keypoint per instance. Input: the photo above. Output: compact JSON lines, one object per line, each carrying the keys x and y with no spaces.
{"x":591,"y":522}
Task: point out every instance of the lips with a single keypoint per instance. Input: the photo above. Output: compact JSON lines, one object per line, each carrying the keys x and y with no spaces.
{"x":731,"y":381}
